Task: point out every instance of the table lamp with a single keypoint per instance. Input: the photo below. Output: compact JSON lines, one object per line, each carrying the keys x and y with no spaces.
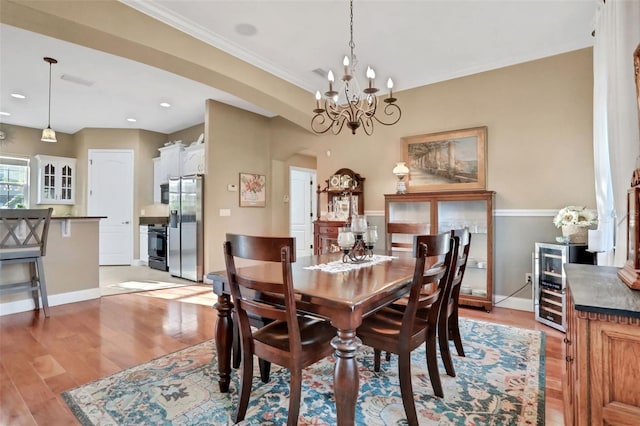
{"x":401,"y":170}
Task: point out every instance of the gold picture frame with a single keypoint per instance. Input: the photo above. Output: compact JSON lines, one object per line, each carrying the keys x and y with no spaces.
{"x":446,"y":161}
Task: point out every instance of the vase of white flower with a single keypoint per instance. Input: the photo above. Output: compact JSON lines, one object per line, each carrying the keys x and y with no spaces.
{"x":575,"y":221}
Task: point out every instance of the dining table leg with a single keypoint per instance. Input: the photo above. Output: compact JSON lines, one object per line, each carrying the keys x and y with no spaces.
{"x":223,"y":339}
{"x":346,"y":379}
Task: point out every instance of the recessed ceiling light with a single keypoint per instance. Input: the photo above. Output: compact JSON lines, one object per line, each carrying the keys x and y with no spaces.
{"x":18,"y":96}
{"x":131,"y":120}
{"x":246,"y":29}
{"x":165,"y":104}
{"x":5,"y":113}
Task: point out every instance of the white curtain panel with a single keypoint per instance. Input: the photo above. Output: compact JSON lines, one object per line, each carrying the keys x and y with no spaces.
{"x":615,"y":121}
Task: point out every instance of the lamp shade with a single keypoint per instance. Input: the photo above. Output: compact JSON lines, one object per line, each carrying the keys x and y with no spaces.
{"x":48,"y":135}
{"x":401,"y":169}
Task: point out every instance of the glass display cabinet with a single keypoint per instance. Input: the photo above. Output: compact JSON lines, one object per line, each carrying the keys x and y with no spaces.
{"x":549,"y":280}
{"x":443,"y":211}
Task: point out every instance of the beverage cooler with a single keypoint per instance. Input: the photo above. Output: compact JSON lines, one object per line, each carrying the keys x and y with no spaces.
{"x":549,"y":280}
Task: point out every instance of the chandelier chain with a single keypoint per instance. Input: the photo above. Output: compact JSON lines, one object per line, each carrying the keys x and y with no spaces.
{"x":352,"y":45}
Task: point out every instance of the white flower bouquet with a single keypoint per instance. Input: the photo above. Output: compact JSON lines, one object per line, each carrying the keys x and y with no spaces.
{"x":577,"y":216}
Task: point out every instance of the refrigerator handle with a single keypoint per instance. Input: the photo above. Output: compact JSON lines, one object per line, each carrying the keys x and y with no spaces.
{"x":173,"y":219}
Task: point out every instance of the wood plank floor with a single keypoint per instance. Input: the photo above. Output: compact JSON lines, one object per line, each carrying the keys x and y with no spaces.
{"x":84,"y":341}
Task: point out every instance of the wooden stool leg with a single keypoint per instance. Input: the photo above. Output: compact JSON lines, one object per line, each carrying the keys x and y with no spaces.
{"x":33,"y":277}
{"x":43,"y":288}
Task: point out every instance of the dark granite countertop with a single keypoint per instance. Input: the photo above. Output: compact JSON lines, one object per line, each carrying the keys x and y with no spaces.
{"x":77,"y":217}
{"x":598,"y":289}
{"x":154,"y":220}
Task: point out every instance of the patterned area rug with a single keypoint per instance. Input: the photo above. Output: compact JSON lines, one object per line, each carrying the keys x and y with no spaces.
{"x":499,"y":382}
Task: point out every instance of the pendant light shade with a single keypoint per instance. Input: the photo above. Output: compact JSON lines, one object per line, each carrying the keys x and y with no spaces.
{"x":48,"y":134}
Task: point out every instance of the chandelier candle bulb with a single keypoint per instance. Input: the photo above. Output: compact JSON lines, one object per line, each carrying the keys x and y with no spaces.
{"x":318,"y":98}
{"x":345,"y":62}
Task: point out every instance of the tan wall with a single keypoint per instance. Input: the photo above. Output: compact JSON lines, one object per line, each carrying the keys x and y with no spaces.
{"x":25,"y":142}
{"x":188,"y":135}
{"x":144,"y":145}
{"x":539,"y":119}
{"x":237,"y":141}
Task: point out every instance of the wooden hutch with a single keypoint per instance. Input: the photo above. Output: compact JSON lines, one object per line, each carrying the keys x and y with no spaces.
{"x":344,"y":196}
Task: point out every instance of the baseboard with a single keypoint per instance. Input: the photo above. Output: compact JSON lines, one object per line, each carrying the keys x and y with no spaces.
{"x":518,"y":303}
{"x":25,"y":305}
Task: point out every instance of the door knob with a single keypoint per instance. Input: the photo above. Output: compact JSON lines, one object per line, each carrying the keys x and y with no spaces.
{"x":125,"y":223}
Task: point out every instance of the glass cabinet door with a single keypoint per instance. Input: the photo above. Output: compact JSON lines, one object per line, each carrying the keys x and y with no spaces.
{"x":470,"y":214}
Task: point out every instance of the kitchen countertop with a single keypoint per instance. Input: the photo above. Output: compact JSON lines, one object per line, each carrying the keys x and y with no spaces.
{"x":153,"y":220}
{"x":77,"y":217}
{"x":598,"y":289}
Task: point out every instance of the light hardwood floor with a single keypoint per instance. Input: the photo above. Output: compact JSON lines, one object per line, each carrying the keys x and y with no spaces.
{"x":81,"y":342}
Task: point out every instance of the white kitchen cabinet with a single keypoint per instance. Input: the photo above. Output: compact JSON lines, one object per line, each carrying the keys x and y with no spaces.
{"x":56,"y":179}
{"x":144,"y":244}
{"x":193,"y":160}
{"x":171,"y":161}
{"x":157,"y":178}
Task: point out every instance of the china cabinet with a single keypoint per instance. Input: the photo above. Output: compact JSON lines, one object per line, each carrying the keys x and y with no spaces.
{"x":344,"y":192}
{"x":443,"y":211}
{"x":56,"y":179}
{"x":549,"y":280}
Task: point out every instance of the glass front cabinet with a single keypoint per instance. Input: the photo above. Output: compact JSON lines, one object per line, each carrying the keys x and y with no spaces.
{"x":56,"y":179}
{"x":443,"y":211}
{"x":549,"y":280}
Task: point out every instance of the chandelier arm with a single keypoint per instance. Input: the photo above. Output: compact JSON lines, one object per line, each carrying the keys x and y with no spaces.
{"x":317,"y":123}
{"x":390,"y":110}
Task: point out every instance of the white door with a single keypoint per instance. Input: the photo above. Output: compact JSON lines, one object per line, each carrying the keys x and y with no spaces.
{"x":110,"y":194}
{"x":302,"y":183}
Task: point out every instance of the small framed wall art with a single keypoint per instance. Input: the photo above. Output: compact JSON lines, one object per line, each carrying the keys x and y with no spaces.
{"x":253,"y":192}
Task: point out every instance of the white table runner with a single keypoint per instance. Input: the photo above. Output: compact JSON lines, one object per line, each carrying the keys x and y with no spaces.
{"x":340,"y":266}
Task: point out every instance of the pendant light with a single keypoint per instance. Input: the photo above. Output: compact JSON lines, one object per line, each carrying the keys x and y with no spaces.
{"x":48,"y":134}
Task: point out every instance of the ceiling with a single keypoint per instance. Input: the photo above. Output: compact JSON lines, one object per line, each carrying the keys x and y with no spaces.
{"x":414,"y":42}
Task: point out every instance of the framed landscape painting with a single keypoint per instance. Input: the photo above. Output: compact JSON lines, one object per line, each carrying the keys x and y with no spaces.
{"x":253,"y":191}
{"x":446,"y":161}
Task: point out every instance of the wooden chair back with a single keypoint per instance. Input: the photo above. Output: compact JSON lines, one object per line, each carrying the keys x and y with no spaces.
{"x":435,"y":263}
{"x":404,"y":231}
{"x":262,"y":299}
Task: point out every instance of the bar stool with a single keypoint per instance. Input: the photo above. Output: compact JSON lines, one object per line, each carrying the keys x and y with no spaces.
{"x":23,"y":239}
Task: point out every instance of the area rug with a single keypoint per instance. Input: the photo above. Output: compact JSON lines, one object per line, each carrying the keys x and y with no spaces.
{"x":499,"y":382}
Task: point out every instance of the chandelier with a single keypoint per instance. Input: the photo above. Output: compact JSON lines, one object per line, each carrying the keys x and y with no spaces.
{"x":349,"y":105}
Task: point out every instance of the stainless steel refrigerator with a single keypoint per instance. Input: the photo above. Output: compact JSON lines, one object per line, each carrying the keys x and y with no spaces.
{"x":186,"y":227}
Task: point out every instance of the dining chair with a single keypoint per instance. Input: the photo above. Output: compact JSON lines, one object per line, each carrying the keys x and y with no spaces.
{"x":402,"y":331}
{"x":405,"y":233}
{"x":448,"y":327}
{"x":23,"y":239}
{"x":291,"y":340}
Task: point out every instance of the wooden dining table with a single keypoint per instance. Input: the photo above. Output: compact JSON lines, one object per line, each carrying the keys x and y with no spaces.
{"x":342,"y":298}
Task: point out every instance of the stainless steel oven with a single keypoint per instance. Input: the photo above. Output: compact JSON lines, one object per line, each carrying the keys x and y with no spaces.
{"x":158,"y":247}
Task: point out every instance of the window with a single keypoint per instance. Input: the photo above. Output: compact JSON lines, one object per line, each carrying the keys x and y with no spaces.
{"x":14,"y":182}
